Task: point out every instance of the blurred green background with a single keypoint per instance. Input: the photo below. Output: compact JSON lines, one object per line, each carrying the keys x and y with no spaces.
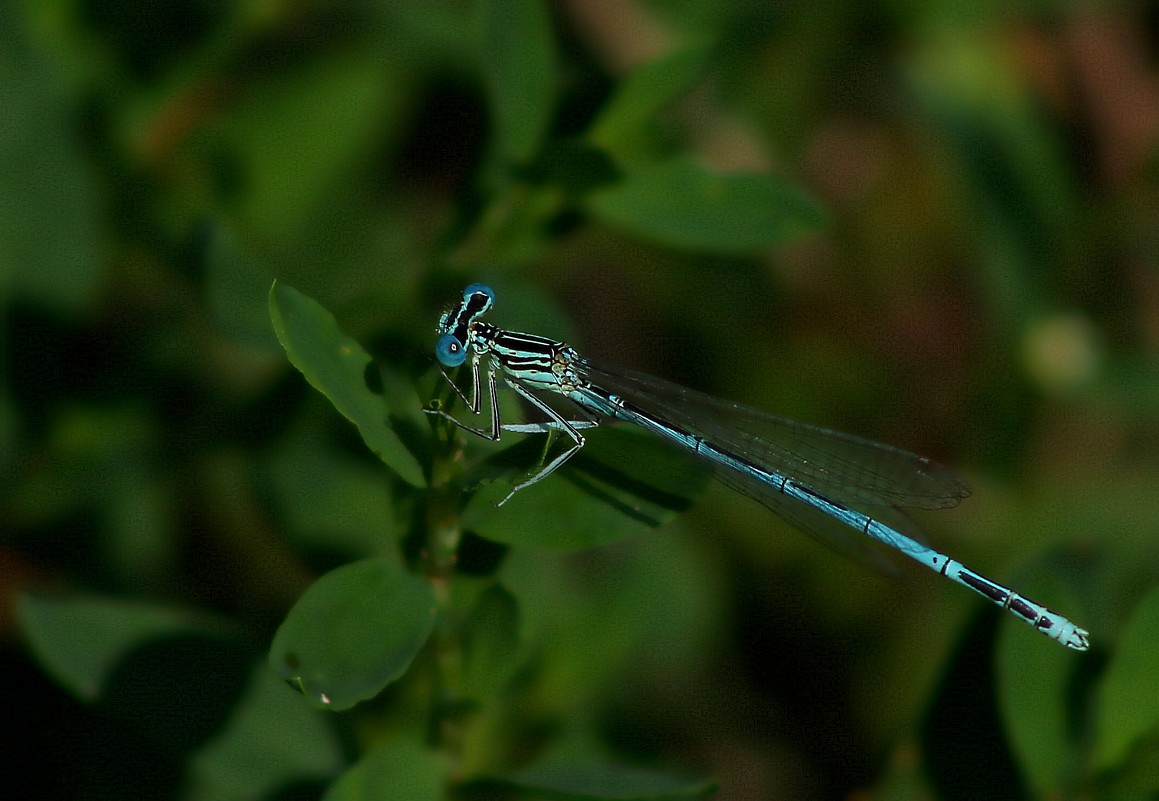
{"x":931,"y":224}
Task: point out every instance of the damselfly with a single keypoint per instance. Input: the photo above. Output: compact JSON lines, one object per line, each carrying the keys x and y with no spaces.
{"x":809,"y":476}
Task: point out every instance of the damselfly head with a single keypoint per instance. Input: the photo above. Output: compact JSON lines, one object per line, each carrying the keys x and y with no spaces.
{"x":477,"y":299}
{"x":455,"y":324}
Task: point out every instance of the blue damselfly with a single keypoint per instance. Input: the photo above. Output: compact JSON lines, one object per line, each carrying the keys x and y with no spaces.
{"x":804,"y":473}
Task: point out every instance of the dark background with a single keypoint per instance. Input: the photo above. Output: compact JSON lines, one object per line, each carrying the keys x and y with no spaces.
{"x":985,"y":291}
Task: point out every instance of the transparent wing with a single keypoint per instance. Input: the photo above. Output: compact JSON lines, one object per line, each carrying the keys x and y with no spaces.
{"x":844,"y":468}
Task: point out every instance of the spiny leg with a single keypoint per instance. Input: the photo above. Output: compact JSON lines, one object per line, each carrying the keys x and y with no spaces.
{"x":475,"y":405}
{"x":555,"y":422}
{"x":473,"y":401}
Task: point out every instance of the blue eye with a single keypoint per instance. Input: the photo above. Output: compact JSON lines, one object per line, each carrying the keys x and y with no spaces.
{"x":450,"y":351}
{"x":481,"y":289}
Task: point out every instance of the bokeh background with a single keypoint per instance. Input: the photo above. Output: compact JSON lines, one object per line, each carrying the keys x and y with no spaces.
{"x":964,"y":262}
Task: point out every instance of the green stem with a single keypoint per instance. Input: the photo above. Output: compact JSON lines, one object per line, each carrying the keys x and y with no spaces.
{"x":444,"y":533}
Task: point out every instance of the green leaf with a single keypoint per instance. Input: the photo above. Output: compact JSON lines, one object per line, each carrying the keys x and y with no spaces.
{"x":9,"y":426}
{"x":1135,"y":777}
{"x":354,"y":631}
{"x":681,"y":204}
{"x":1034,"y":676}
{"x":622,"y":127}
{"x":235,"y":285}
{"x":491,"y":647}
{"x":50,"y":228}
{"x":519,"y":58}
{"x":1129,"y":696}
{"x":82,"y":641}
{"x":329,"y":500}
{"x":301,"y":132}
{"x":269,"y":742}
{"x":651,"y":608}
{"x":624,"y":482}
{"x":335,"y":365}
{"x":574,"y":166}
{"x":403,"y":770}
{"x":607,"y":783}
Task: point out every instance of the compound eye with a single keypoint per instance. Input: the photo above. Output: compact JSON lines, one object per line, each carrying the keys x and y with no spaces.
{"x":483,"y":288}
{"x":450,"y":351}
{"x":480,"y":289}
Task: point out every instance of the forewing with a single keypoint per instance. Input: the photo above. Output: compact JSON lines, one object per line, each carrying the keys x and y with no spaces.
{"x":842,"y":467}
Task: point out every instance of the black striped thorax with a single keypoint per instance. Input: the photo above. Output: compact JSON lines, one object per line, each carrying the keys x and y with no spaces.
{"x":533,"y":360}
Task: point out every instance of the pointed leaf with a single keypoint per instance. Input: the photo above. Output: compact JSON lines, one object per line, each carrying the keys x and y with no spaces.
{"x":653,"y":600}
{"x":608,"y":783}
{"x":1033,"y":677}
{"x":404,"y":770}
{"x":1129,"y":696}
{"x":335,"y":365}
{"x":354,"y":631}
{"x":50,"y":235}
{"x":81,"y":641}
{"x":329,"y":500}
{"x":622,"y":126}
{"x":301,"y":131}
{"x":681,"y":204}
{"x":235,"y":282}
{"x":622,"y":483}
{"x":491,"y":647}
{"x":519,"y":54}
{"x":271,"y":741}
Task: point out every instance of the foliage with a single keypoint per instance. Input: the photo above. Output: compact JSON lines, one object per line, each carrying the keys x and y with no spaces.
{"x":931,"y":225}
